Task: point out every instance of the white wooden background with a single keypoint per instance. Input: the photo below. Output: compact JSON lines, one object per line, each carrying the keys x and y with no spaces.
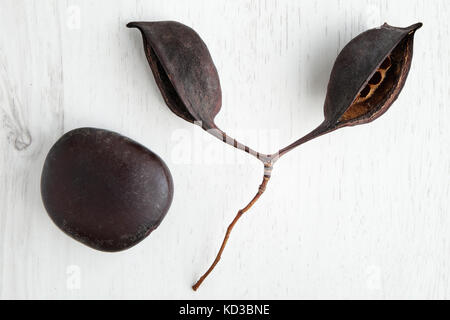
{"x":360,"y":213}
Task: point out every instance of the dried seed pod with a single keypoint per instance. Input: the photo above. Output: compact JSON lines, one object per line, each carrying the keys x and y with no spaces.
{"x":368,"y":75}
{"x":186,"y":75}
{"x":105,"y":190}
{"x":366,"y":78}
{"x":183,"y":70}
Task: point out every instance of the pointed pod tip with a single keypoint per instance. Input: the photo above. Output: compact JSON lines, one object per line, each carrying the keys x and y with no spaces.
{"x":413,"y":28}
{"x":137,"y":24}
{"x":410,"y":29}
{"x":416,"y":26}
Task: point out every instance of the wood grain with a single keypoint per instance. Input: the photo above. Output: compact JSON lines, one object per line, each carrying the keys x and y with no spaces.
{"x":361,"y":213}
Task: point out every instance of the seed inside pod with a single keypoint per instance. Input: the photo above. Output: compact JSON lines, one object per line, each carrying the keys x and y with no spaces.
{"x":380,"y":86}
{"x":360,"y":106}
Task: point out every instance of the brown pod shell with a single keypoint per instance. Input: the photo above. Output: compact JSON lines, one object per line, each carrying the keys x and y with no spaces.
{"x":183,"y":69}
{"x":368,"y":75}
{"x":366,"y":79}
{"x":105,"y":190}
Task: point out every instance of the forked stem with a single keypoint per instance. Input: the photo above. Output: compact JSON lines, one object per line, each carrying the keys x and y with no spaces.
{"x":261,"y":189}
{"x":268,"y":161}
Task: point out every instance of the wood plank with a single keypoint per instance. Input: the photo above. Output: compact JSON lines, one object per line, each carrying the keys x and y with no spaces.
{"x":361,"y":213}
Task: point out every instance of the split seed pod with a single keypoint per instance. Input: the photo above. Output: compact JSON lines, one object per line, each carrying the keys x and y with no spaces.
{"x":186,"y":75}
{"x":183,"y":70}
{"x":366,"y":78}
